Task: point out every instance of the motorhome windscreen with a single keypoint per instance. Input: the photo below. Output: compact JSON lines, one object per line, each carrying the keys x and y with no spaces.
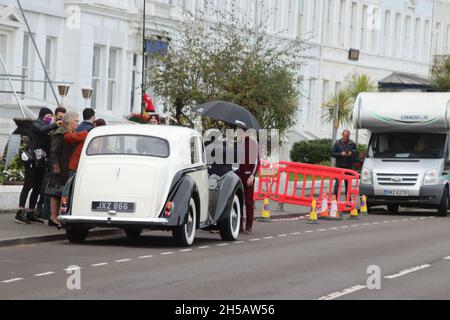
{"x":407,"y":146}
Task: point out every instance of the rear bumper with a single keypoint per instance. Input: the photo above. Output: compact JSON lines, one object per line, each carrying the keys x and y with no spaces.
{"x":111,"y":222}
{"x":429,"y":196}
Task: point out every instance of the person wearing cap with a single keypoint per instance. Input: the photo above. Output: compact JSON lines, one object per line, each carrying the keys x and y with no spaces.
{"x":35,"y":168}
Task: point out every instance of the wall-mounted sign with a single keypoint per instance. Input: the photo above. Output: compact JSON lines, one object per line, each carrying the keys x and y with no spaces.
{"x":353,"y":55}
{"x":157,"y":47}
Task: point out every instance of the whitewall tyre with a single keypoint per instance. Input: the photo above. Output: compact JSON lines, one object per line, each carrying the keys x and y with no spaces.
{"x":184,"y":235}
{"x":229,"y":228}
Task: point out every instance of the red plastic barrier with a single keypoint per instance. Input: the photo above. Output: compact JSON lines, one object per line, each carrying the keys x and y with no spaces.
{"x":274,"y":183}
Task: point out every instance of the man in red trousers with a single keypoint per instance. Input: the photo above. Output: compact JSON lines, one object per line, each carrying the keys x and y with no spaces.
{"x":248,"y":156}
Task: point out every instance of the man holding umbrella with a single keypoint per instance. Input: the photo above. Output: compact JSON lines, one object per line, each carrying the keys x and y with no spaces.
{"x":248,"y":148}
{"x":248,"y":156}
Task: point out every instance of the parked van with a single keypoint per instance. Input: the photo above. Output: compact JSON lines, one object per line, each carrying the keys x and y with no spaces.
{"x":408,"y":156}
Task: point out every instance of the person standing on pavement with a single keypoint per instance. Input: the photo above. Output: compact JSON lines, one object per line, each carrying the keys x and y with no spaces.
{"x":35,"y":168}
{"x":43,"y":206}
{"x":345,"y":152}
{"x":60,"y":153}
{"x":248,"y":156}
{"x":88,"y":120}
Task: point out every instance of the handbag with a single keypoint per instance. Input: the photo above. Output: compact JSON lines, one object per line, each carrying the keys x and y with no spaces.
{"x":54,"y":191}
{"x":28,"y":156}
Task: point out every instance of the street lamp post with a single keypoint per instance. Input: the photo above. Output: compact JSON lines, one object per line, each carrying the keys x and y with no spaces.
{"x":143,"y":62}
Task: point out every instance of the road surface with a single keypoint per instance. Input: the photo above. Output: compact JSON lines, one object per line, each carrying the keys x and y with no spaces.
{"x":280,"y":260}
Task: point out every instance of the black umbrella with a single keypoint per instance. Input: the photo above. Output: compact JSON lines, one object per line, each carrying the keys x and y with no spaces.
{"x":230,"y":113}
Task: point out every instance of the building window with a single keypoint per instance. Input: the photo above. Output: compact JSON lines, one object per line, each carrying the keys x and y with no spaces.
{"x":416,"y":46}
{"x":49,"y":64}
{"x":112,"y":79}
{"x":329,"y":21}
{"x":365,"y":17}
{"x":397,"y":34}
{"x":387,"y":33}
{"x":341,"y":26}
{"x":375,"y":34}
{"x":26,"y":63}
{"x":426,"y":42}
{"x":353,"y":24}
{"x":407,"y":37}
{"x":95,"y":101}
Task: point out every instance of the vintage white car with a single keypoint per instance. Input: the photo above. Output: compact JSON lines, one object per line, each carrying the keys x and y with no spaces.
{"x":137,"y":177}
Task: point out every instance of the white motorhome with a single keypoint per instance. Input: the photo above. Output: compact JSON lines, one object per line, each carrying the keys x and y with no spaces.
{"x":408,"y":156}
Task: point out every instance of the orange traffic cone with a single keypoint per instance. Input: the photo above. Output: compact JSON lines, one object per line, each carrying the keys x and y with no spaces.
{"x":324,"y":212}
{"x":313,"y":215}
{"x":334,"y":210}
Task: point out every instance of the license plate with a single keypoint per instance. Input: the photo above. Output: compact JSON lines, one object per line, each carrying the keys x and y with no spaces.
{"x":396,"y":193}
{"x":101,"y":206}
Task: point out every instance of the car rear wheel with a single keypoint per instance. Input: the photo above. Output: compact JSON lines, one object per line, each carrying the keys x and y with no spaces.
{"x":133,"y":233}
{"x":77,"y":235}
{"x":184,"y":235}
{"x":229,"y":228}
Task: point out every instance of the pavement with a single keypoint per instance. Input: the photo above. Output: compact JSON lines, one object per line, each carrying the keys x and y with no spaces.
{"x":12,"y":234}
{"x":291,"y":260}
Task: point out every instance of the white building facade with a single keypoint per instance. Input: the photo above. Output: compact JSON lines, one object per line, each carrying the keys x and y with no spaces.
{"x":98,"y":43}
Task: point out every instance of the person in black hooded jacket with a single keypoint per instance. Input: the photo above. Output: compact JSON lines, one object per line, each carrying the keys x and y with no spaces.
{"x":35,"y":170}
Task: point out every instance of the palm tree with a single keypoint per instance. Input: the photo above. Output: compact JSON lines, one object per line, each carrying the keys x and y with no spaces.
{"x":343,"y":99}
{"x":359,"y":84}
{"x":441,"y":76}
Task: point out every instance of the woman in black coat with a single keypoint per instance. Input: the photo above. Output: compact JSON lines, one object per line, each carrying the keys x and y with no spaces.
{"x":35,"y":169}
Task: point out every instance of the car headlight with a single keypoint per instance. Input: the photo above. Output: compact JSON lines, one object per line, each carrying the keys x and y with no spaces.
{"x":367,"y":176}
{"x":430,"y":177}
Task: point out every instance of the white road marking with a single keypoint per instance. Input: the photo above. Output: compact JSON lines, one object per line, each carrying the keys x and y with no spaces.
{"x":268,"y":238}
{"x":166,"y":253}
{"x":282,"y":236}
{"x":145,"y":257}
{"x":376,"y":223}
{"x":415,"y":219}
{"x":12,"y":280}
{"x":408,"y":271}
{"x":254,"y":240}
{"x":44,"y":274}
{"x":309,"y":231}
{"x":296,"y":233}
{"x":355,"y":226}
{"x":321,"y":230}
{"x":395,"y":221}
{"x":344,"y":227}
{"x":384,"y":222}
{"x":204,"y":247}
{"x":186,"y":250}
{"x":406,"y":220}
{"x":123,"y":260}
{"x":99,"y":264}
{"x":366,"y":224}
{"x":342,"y":293}
{"x":335,"y":228}
{"x":447,"y":258}
{"x":222,"y":245}
{"x":239,"y":242}
{"x":72,"y":269}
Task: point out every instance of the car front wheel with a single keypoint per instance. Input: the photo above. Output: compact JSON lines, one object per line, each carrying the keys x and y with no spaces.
{"x":184,"y":235}
{"x":443,"y":208}
{"x":229,"y":228}
{"x":77,"y":235}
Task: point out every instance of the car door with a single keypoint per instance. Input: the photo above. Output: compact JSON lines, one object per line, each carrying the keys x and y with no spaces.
{"x":200,"y":175}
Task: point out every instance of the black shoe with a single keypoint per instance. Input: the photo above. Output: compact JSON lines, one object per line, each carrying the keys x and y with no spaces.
{"x":31,"y":216}
{"x":21,"y":217}
{"x":53,"y":224}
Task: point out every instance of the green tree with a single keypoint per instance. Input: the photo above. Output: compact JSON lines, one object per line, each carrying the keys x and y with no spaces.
{"x":440,"y":76}
{"x":343,"y":99}
{"x":359,"y":84}
{"x":234,"y":60}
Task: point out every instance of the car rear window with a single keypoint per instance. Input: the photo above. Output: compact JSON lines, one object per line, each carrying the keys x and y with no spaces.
{"x":132,"y":145}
